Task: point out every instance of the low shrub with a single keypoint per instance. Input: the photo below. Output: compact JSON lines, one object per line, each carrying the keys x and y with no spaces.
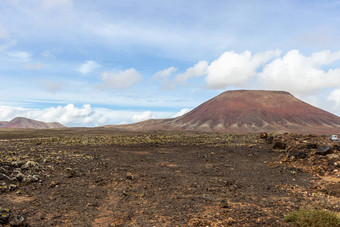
{"x":313,"y":218}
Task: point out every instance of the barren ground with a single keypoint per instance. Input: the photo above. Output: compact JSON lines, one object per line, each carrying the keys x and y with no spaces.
{"x":101,"y":177}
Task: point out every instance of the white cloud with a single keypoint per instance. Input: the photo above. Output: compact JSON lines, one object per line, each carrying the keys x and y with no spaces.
{"x":233,"y":69}
{"x":8,"y":112}
{"x":51,"y":86}
{"x":299,"y":74}
{"x":120,"y":80}
{"x":20,"y":55}
{"x":200,"y":69}
{"x":137,"y":117}
{"x":166,"y":72}
{"x":88,"y":67}
{"x":67,"y":115}
{"x":35,"y":66}
{"x":334,"y":97}
{"x":182,"y":112}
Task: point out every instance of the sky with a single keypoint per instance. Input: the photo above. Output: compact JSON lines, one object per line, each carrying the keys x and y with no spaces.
{"x":92,"y":63}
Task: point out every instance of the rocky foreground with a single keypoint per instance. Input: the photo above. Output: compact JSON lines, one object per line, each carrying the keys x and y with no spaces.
{"x":109,"y":178}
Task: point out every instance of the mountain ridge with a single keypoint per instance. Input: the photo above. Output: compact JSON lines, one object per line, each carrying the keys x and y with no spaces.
{"x":27,"y":123}
{"x":248,"y":111}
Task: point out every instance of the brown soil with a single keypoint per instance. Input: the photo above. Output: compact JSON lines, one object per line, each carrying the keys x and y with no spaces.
{"x":107,"y":178}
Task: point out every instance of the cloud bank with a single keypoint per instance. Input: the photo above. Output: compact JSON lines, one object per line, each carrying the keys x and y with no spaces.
{"x":233,"y":69}
{"x":293,"y":72}
{"x":85,"y":115}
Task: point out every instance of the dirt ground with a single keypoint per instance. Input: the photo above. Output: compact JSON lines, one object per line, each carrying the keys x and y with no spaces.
{"x":101,"y":177}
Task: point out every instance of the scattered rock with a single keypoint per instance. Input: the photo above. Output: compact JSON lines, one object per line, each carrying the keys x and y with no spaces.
{"x":54,"y":184}
{"x":20,"y":177}
{"x":333,"y":156}
{"x":279,"y":145}
{"x":263,"y":135}
{"x":270,"y":139}
{"x":5,"y":215}
{"x":19,"y":221}
{"x":297,"y":155}
{"x":69,"y":172}
{"x":324,"y":150}
{"x":12,"y":187}
{"x":129,"y":176}
{"x":336,"y":148}
{"x":311,"y":145}
{"x":31,"y":178}
{"x":224,"y":204}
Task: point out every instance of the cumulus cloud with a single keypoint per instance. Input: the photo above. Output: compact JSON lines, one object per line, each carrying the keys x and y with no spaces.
{"x":199,"y":69}
{"x":88,"y":67}
{"x":166,"y":72}
{"x":51,"y":86}
{"x":120,"y":80}
{"x":299,"y":74}
{"x":137,"y":117}
{"x":67,"y":115}
{"x":182,"y":112}
{"x":293,"y":72}
{"x":234,"y":69}
{"x":334,"y":97}
{"x":85,"y":115}
{"x":8,"y":112}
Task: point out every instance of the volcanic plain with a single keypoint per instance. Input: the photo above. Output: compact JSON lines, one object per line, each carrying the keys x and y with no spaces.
{"x":106,"y":177}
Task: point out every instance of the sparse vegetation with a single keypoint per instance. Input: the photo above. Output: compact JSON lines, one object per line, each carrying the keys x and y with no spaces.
{"x":313,"y":218}
{"x":150,"y":177}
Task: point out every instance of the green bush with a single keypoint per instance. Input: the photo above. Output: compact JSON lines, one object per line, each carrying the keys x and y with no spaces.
{"x":313,"y":218}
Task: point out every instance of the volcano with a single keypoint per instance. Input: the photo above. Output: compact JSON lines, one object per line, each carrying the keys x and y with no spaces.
{"x":241,"y":111}
{"x":22,"y":122}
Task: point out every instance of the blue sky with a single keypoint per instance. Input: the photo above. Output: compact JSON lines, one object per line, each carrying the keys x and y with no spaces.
{"x":88,"y":63}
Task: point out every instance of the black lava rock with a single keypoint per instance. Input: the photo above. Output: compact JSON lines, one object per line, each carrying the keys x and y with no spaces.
{"x":279,"y":145}
{"x":324,"y":150}
{"x":297,"y":155}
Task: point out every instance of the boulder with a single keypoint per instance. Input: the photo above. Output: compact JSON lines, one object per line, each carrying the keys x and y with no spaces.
{"x":324,"y":150}
{"x":279,"y":145}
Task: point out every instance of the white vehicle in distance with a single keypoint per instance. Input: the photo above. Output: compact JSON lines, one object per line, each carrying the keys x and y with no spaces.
{"x":334,"y":138}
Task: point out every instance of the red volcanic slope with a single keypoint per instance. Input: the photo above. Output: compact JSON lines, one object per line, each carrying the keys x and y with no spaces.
{"x":3,"y":123}
{"x":21,"y":122}
{"x":249,"y":111}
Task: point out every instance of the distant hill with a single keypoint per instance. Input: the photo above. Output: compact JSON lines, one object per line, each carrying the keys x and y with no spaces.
{"x":248,"y":111}
{"x":21,"y":122}
{"x":2,"y":123}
